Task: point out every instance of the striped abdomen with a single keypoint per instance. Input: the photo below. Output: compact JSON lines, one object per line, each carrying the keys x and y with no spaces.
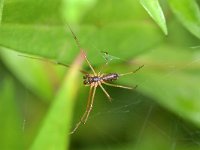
{"x":110,"y":77}
{"x":107,"y":78}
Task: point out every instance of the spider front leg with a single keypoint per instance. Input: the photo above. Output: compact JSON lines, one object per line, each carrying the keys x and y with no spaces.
{"x":84,"y":54}
{"x":88,"y":108}
{"x":123,"y":74}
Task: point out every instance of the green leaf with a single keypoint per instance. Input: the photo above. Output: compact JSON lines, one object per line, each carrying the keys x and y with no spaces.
{"x":1,"y":9}
{"x":33,"y":36}
{"x":46,"y":35}
{"x":187,"y":11}
{"x":178,"y":93}
{"x":32,"y":12}
{"x":31,"y":39}
{"x":155,"y":11}
{"x":55,"y":130}
{"x":41,"y":41}
{"x":10,"y":127}
{"x":114,"y":12}
{"x":73,"y":10}
{"x":171,"y":77}
{"x":34,"y":74}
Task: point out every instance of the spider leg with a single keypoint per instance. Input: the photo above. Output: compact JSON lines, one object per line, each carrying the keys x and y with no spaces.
{"x":79,"y":46}
{"x":75,"y":37}
{"x":120,"y":86}
{"x":88,"y":108}
{"x":88,"y":62}
{"x":131,"y":71}
{"x":99,"y":83}
{"x":51,"y":61}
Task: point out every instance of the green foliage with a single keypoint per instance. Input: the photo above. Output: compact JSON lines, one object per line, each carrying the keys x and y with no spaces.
{"x":11,"y":135}
{"x":1,"y":9}
{"x":43,"y":94}
{"x":188,"y":13}
{"x":29,"y":71}
{"x":155,"y":11}
{"x":51,"y":134}
{"x":182,"y":95}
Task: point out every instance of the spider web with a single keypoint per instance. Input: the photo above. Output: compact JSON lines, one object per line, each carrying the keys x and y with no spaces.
{"x":177,"y":132}
{"x":142,"y":110}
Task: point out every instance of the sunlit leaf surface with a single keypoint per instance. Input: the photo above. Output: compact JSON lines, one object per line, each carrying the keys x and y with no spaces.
{"x":55,"y":130}
{"x":1,"y":9}
{"x":188,"y":13}
{"x":155,"y":11}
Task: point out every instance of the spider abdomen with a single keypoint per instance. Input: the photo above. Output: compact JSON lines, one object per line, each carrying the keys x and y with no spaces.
{"x":106,"y":77}
{"x":110,"y":77}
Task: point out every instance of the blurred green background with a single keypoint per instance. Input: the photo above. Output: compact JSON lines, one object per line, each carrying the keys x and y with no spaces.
{"x":41,"y":102}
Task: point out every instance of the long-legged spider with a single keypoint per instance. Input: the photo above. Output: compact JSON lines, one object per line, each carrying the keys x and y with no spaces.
{"x":94,"y":80}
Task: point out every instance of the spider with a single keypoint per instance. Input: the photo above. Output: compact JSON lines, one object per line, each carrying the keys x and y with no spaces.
{"x":94,"y":80}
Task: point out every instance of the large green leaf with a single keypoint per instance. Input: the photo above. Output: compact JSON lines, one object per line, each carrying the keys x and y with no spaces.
{"x":41,"y":42}
{"x":187,"y":11}
{"x":11,"y":128}
{"x":33,"y":36}
{"x":171,"y":77}
{"x":55,"y":130}
{"x":74,"y":10}
{"x":32,"y":12}
{"x":46,"y":35}
{"x":38,"y":77}
{"x":1,"y":9}
{"x":155,"y":11}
